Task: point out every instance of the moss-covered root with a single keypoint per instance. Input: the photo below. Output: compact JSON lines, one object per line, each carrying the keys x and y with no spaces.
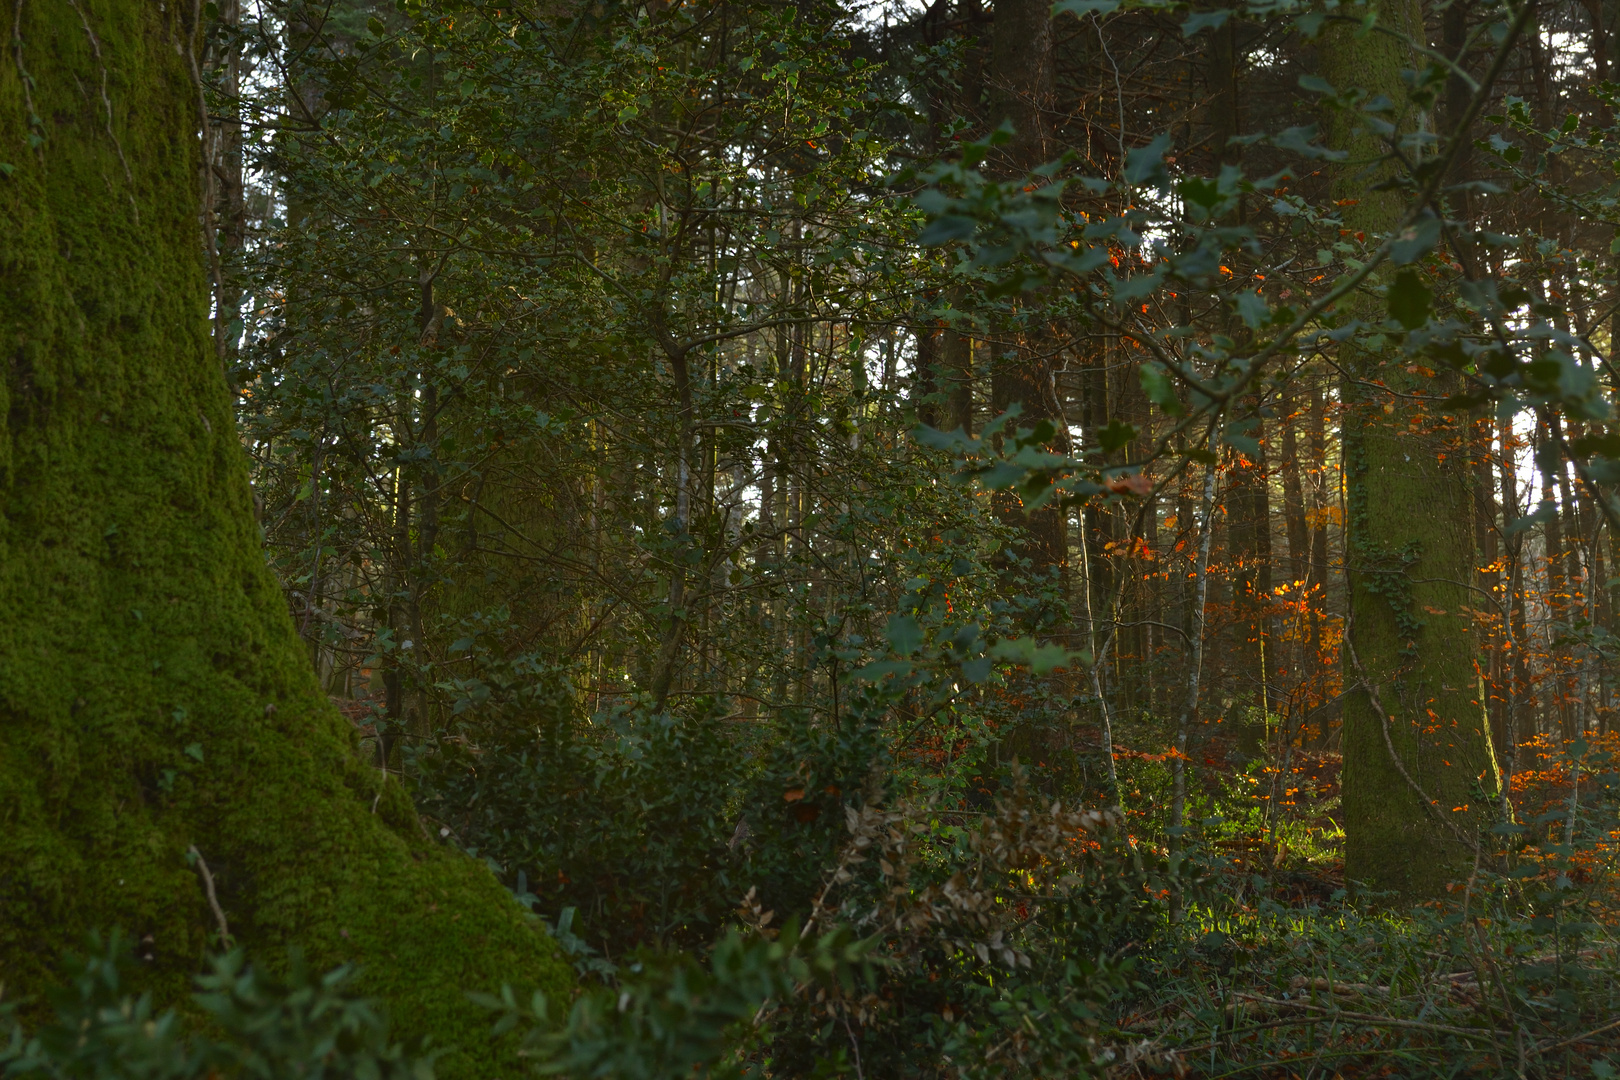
{"x":153,"y":696}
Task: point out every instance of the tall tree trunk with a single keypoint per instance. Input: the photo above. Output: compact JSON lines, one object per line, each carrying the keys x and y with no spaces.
{"x":1414,"y":736}
{"x":1297,"y":657}
{"x":1249,"y":556}
{"x":1195,"y":661}
{"x":1557,"y":578}
{"x":956,"y":378}
{"x":1322,"y":500}
{"x":1299,"y":555}
{"x":1520,"y":730}
{"x":1021,"y":95}
{"x":925,"y":392}
{"x":154,"y":696}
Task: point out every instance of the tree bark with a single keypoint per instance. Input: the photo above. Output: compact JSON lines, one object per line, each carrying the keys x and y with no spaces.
{"x":154,"y":696}
{"x":1414,"y":736}
{"x":1021,"y":95}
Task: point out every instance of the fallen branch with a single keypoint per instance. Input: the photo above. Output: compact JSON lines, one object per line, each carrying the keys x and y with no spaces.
{"x":1373,"y":1019}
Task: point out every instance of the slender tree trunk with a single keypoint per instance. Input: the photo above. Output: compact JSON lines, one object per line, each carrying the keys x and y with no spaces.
{"x":1555,"y":568}
{"x":1299,"y":556}
{"x":1249,"y":553}
{"x":930,"y":339}
{"x":956,"y":379}
{"x":1322,"y":501}
{"x":1520,"y":729}
{"x":154,"y":694}
{"x":1195,"y":664}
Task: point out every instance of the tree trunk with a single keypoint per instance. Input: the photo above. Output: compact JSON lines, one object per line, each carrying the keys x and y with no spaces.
{"x":1293,"y":496}
{"x":1414,"y":738}
{"x":154,"y":696}
{"x":1317,"y":579}
{"x":1249,"y":558}
{"x":1021,"y":95}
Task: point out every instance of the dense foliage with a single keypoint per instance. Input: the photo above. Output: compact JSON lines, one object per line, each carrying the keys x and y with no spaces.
{"x":943,"y":542}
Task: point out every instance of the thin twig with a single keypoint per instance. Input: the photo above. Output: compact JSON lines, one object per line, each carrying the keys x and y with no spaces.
{"x":1373,"y":1019}
{"x":1610,"y":1026}
{"x":213,"y":899}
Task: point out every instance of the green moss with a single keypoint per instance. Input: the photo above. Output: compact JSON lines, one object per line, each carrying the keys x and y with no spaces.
{"x":1410,"y":554}
{"x":153,"y":695}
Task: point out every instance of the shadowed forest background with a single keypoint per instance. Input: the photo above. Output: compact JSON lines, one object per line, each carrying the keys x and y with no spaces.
{"x":846,"y":540}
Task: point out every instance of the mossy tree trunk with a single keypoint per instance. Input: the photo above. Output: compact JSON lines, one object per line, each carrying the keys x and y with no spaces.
{"x":154,"y":697}
{"x":1417,"y":764}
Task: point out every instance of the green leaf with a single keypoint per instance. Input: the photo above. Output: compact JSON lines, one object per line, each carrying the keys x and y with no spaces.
{"x":1116,"y":435}
{"x":1606,"y":444}
{"x":1082,"y":8}
{"x":1080,"y":263}
{"x":1252,"y":310}
{"x":1409,"y":300}
{"x":195,"y":751}
{"x":1004,"y":474}
{"x":1160,"y":388}
{"x":1240,"y":440}
{"x":1040,"y":659}
{"x":1301,"y":140}
{"x":1545,"y":513}
{"x":1201,"y":191}
{"x":905,"y":633}
{"x":1145,"y":164}
{"x":943,"y":230}
{"x":1415,"y":240}
{"x":875,"y":672}
{"x":1134,"y":288}
{"x":977,"y":670}
{"x":1205,"y":20}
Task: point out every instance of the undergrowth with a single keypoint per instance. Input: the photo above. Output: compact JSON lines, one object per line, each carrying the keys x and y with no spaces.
{"x":1029,"y":939}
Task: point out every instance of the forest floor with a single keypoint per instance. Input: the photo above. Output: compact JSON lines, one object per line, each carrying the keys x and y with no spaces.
{"x":1281,"y":970}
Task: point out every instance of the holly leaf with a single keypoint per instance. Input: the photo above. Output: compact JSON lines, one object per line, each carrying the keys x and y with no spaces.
{"x":1409,"y":300}
{"x":1415,"y":240}
{"x":1145,"y":164}
{"x":1082,"y":8}
{"x":1252,"y":310}
{"x":905,"y":633}
{"x":1205,"y":20}
{"x":946,"y":228}
{"x":1116,"y":435}
{"x":1606,"y":444}
{"x":1160,"y":389}
{"x":1040,"y":659}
